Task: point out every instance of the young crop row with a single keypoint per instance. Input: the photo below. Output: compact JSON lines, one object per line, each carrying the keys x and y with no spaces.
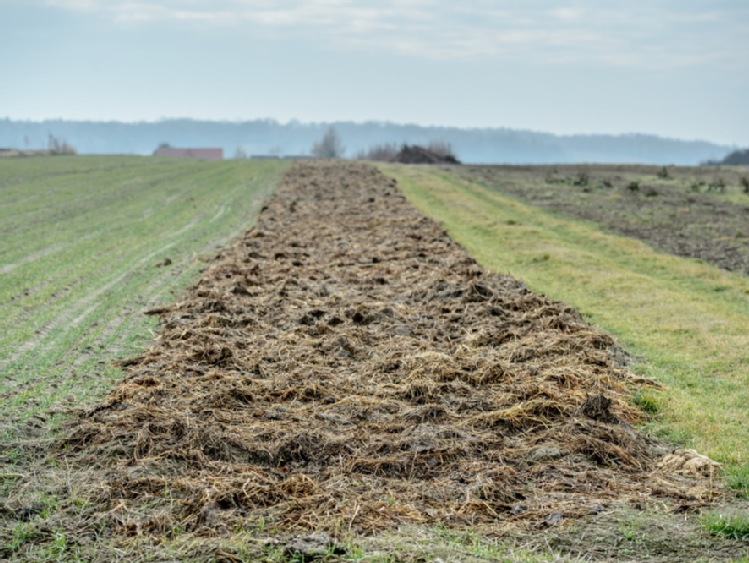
{"x":89,"y":243}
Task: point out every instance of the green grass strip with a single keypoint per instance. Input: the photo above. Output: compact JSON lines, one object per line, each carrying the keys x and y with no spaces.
{"x":686,"y":322}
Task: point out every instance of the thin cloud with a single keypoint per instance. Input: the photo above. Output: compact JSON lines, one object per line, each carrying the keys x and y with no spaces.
{"x":567,"y":14}
{"x":78,"y":5}
{"x":620,"y":32}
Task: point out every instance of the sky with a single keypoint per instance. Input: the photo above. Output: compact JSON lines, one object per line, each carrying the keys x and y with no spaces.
{"x":675,"y":68}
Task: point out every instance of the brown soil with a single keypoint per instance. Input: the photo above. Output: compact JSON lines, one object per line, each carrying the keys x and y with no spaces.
{"x":682,"y":213}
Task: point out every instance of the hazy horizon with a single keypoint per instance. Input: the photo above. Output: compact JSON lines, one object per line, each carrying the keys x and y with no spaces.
{"x":666,"y":68}
{"x":359,"y":122}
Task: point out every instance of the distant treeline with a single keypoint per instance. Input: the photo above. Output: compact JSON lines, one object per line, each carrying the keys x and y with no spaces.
{"x":269,"y":137}
{"x":736,"y":158}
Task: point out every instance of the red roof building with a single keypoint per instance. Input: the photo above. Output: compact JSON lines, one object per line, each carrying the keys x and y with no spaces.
{"x":201,"y":154}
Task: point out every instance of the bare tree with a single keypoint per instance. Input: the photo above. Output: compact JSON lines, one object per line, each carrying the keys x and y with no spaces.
{"x":59,"y":146}
{"x":384,"y":152}
{"x":441,"y":148}
{"x":330,"y":146}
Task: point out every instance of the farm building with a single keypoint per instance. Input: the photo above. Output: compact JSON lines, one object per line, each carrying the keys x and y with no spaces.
{"x":201,"y":154}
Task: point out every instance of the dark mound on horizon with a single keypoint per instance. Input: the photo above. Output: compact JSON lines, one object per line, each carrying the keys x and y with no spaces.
{"x":416,"y":154}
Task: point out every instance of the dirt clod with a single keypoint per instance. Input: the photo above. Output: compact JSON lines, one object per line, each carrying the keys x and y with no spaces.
{"x":689,"y":462}
{"x":597,"y":407}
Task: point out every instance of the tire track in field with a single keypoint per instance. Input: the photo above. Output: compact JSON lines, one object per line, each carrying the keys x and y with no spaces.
{"x":95,"y":345}
{"x":104,"y":348}
{"x":75,"y":314}
{"x":80,"y":313}
{"x":81,"y":309}
{"x":42,"y":253}
{"x":33,"y":257}
{"x":62,"y":289}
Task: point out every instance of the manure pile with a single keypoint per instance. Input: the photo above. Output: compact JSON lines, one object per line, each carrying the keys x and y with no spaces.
{"x":345,"y":366}
{"x":416,"y":154}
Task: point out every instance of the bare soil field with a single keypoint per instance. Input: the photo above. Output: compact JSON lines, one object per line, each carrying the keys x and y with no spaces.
{"x":346,"y":369}
{"x":695,"y":212}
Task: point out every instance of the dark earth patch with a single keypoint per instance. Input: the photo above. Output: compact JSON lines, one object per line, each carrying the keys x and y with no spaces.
{"x":680,"y":210}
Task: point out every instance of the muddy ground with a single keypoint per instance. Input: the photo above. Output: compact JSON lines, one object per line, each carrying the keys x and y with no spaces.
{"x":346,"y":368}
{"x":681,"y":210}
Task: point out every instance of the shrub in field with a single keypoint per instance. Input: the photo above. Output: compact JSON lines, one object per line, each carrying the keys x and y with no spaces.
{"x":718,"y":184}
{"x":745,"y":184}
{"x":383,"y":153}
{"x":582,"y":179}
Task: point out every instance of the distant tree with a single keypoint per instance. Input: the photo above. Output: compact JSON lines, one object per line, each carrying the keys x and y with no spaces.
{"x":330,"y":146}
{"x":384,"y":153}
{"x":738,"y":157}
{"x":59,"y":146}
{"x":240,"y":153}
{"x":441,"y":148}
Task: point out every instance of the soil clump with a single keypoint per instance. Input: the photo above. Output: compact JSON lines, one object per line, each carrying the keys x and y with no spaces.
{"x":346,"y":366}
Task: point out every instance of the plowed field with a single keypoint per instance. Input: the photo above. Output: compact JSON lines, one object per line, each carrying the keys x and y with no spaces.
{"x":345,"y":366}
{"x":344,"y":371}
{"x":694,"y":212}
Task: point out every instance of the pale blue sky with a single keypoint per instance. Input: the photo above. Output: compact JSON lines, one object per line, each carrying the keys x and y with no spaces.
{"x":677,"y":68}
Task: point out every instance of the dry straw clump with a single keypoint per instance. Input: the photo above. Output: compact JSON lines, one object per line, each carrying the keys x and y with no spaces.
{"x":346,"y":366}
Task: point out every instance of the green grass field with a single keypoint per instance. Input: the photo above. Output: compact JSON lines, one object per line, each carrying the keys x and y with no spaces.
{"x":84,"y":246}
{"x":686,"y":323}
